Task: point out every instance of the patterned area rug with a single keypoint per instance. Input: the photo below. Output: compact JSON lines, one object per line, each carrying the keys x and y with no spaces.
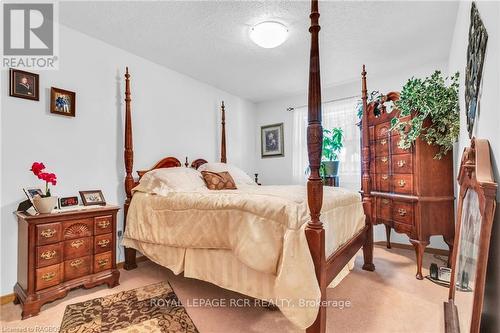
{"x":153,"y":308}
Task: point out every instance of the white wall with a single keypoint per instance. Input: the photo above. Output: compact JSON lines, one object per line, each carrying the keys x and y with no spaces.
{"x":487,"y":127}
{"x":278,"y":170}
{"x":173,"y":115}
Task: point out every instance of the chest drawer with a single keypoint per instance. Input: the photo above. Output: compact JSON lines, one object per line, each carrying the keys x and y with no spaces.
{"x":103,"y":243}
{"x":48,"y":233}
{"x":403,"y":212}
{"x":382,"y":131}
{"x":103,"y":225}
{"x":382,"y":165}
{"x":79,"y":247}
{"x":102,"y":262}
{"x":382,"y":147}
{"x":402,"y":183}
{"x":48,"y":276}
{"x":48,"y":255}
{"x":383,"y":182}
{"x":78,"y":267}
{"x":395,"y":146}
{"x":78,"y":228}
{"x":402,"y":163}
{"x":384,"y":209}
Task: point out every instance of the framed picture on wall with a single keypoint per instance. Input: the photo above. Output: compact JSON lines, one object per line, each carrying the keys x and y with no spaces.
{"x":62,"y":102}
{"x":271,"y":140}
{"x":24,"y":85}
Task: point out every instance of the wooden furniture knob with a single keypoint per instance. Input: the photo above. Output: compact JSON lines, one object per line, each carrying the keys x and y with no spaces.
{"x":103,"y":242}
{"x":402,"y":211}
{"x":48,"y":233}
{"x":383,"y":142}
{"x":76,"y":263}
{"x":385,"y":201}
{"x":47,"y":255}
{"x":48,"y":276}
{"x":385,"y":177}
{"x":402,"y":183}
{"x":76,"y":244}
{"x":103,"y":224}
{"x":384,"y":159}
{"x":401,"y":163}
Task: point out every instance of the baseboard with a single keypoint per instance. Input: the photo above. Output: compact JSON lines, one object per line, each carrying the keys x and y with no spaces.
{"x":431,"y":250}
{"x":9,"y":298}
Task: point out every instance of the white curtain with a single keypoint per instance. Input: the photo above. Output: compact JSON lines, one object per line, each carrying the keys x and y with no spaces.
{"x":340,"y":113}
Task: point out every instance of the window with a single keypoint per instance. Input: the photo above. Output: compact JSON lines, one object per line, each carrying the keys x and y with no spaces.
{"x":340,"y":113}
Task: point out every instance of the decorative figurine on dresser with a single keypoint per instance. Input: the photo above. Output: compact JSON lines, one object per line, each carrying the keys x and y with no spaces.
{"x":410,"y":190}
{"x":61,"y":251}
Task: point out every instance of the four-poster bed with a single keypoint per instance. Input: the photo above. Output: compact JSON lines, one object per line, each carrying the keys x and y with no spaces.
{"x":320,"y":259}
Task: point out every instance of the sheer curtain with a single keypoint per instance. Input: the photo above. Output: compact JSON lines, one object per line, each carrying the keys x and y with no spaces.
{"x":340,"y":113}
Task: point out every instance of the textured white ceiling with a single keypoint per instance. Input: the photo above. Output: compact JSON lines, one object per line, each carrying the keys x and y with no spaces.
{"x":209,"y":41}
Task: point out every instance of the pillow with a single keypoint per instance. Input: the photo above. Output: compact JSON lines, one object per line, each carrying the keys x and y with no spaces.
{"x":218,"y":180}
{"x":239,"y":176}
{"x":178,"y":179}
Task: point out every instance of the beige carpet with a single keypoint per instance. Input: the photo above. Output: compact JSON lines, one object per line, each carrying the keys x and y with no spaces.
{"x":387,"y":300}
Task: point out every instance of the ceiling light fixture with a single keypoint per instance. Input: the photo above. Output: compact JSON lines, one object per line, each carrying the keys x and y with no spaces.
{"x":269,"y":34}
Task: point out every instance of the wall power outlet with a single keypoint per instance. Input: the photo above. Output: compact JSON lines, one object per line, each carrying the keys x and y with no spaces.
{"x":119,"y":233}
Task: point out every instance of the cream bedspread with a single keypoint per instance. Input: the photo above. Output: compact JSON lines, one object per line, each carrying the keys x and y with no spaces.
{"x":258,"y":229}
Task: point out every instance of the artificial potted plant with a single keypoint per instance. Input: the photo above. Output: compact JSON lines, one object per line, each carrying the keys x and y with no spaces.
{"x":435,"y":112}
{"x":45,"y":203}
{"x":333,"y":141}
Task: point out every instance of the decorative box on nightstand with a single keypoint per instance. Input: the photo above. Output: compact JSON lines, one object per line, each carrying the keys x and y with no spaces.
{"x":62,"y":251}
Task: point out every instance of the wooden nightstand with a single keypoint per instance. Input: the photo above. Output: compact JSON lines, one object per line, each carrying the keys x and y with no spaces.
{"x":59,"y":252}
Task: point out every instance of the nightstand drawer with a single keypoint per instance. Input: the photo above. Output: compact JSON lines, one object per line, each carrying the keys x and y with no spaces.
{"x":48,"y":233}
{"x":78,"y":267}
{"x":77,"y":248}
{"x":103,"y":225}
{"x":102,"y":243}
{"x":48,"y":276}
{"x":48,"y":255}
{"x":102,"y":262}
{"x":77,"y":228}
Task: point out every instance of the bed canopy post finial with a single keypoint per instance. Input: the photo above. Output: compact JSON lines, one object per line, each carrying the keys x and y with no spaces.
{"x":130,"y":253}
{"x":365,"y":177}
{"x":223,"y":134}
{"x":315,"y":233}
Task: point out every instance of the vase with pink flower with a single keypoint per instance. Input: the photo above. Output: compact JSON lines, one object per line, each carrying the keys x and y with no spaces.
{"x":45,"y":203}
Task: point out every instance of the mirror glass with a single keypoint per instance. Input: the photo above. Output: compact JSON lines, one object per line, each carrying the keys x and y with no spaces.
{"x":466,"y":259}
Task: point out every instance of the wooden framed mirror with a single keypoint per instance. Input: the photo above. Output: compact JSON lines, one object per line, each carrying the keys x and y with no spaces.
{"x":476,"y":210}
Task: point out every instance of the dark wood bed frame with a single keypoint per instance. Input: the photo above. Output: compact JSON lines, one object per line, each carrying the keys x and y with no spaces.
{"x":326,"y":268}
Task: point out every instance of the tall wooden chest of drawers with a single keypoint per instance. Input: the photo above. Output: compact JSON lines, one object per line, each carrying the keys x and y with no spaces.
{"x":410,"y":190}
{"x":59,"y":252}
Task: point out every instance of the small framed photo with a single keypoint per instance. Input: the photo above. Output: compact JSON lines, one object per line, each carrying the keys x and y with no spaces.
{"x":32,"y":192}
{"x":24,"y":85}
{"x":271,"y":140}
{"x":62,"y":102}
{"x":90,"y":198}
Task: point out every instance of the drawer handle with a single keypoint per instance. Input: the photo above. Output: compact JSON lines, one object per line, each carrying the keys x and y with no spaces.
{"x":383,"y":142}
{"x":48,"y":276}
{"x":103,"y":242}
{"x":384,"y":159}
{"x":48,"y":233}
{"x":385,"y":177}
{"x":102,"y":262}
{"x":402,"y":183}
{"x":76,"y":244}
{"x":401,"y":163}
{"x":76,"y":263}
{"x":402,"y":212}
{"x":103,"y":224}
{"x":47,"y":255}
{"x":385,"y":201}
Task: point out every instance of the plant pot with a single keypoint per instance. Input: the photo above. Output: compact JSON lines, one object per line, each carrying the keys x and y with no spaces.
{"x":331,"y":168}
{"x":44,"y":205}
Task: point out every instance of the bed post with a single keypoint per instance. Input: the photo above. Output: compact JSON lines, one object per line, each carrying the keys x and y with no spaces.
{"x":223,"y":135}
{"x":365,"y":178}
{"x":315,"y":233}
{"x":129,"y":163}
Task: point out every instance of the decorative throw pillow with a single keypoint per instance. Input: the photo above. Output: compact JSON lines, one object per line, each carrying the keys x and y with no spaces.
{"x":218,"y":180}
{"x":239,"y":176}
